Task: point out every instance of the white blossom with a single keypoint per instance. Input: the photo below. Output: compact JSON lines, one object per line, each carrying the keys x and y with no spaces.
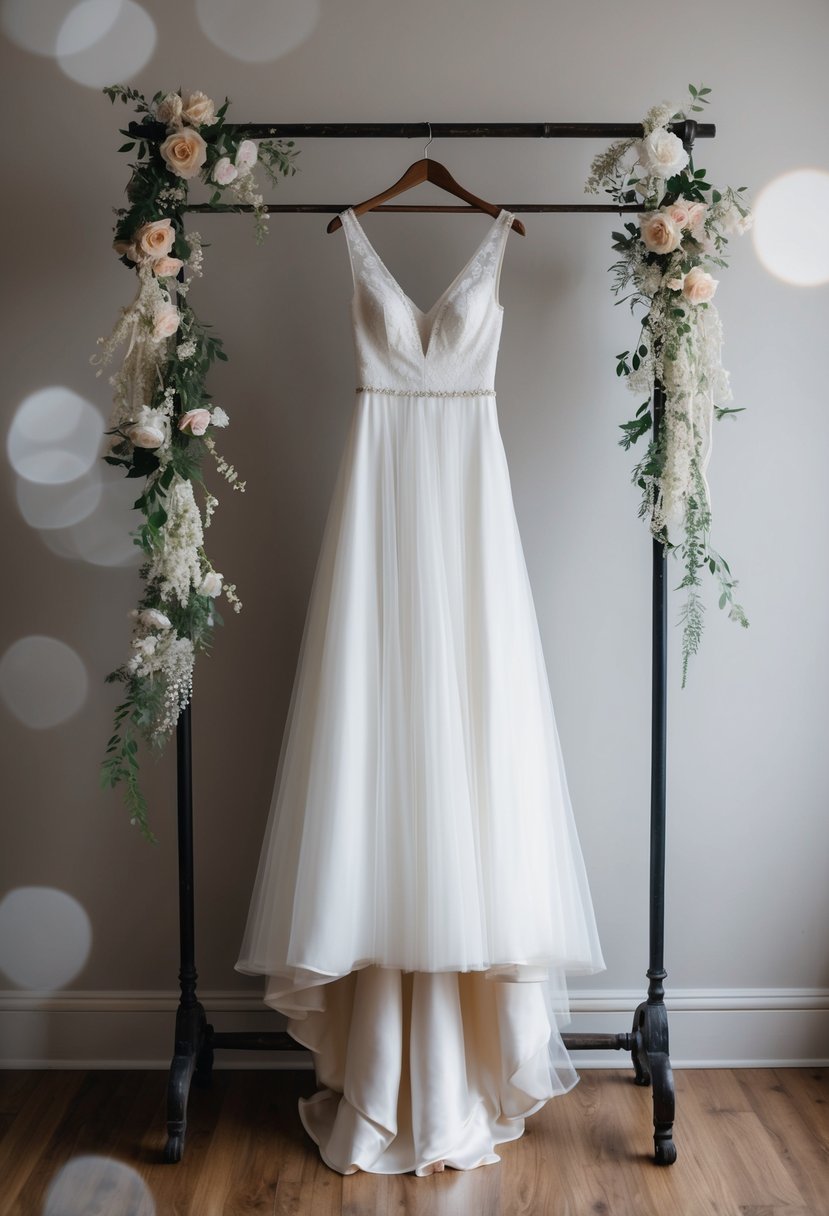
{"x":176,"y":563}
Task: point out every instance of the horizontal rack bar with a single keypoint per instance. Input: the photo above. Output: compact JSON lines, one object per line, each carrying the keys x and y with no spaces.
{"x":336,"y":208}
{"x":438,"y":130}
{"x":280,"y":1040}
{"x":453,"y":130}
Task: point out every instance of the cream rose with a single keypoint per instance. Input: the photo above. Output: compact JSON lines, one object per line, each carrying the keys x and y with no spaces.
{"x":698,"y":286}
{"x":194,"y":422}
{"x":165,"y":320}
{"x":169,"y":110}
{"x":662,"y":154}
{"x":155,"y":239}
{"x":198,"y":109}
{"x":246,"y":155}
{"x":679,"y":214}
{"x":154,"y":618}
{"x":146,"y":434}
{"x":224,"y":172}
{"x":211,"y":584}
{"x":184,"y":151}
{"x":659,"y":232}
{"x":165,"y":267}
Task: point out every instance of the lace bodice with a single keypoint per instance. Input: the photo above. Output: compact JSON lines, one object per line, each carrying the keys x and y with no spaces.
{"x":452,"y":348}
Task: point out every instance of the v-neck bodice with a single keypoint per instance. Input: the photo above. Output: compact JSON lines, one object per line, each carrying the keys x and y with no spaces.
{"x":452,"y":348}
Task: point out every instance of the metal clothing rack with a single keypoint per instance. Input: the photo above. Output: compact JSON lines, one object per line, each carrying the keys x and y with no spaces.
{"x":647,"y":1041}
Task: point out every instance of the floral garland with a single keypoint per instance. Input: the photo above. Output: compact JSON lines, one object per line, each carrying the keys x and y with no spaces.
{"x":163,"y":420}
{"x":666,"y":260}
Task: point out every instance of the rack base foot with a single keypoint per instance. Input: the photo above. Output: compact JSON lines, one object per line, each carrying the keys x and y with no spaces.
{"x":192,"y":1062}
{"x":652,"y":1066}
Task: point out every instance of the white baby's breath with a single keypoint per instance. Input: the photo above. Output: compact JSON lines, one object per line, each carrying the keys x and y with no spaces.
{"x":665,"y":264}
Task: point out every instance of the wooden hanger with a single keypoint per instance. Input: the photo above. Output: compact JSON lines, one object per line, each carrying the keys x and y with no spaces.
{"x":426,"y":170}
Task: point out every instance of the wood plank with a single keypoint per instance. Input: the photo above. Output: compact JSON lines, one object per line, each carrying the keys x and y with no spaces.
{"x":31,"y":1131}
{"x":732,"y":1160}
{"x":798,"y":1127}
{"x":751,"y":1142}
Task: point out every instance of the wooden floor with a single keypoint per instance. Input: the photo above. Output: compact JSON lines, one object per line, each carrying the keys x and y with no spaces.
{"x":751,"y":1142}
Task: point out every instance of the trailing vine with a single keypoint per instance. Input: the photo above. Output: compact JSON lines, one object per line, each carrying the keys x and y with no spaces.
{"x":164,"y":422}
{"x":664,"y":268}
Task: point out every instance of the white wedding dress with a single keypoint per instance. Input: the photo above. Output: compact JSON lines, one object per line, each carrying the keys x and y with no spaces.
{"x":421,"y":892}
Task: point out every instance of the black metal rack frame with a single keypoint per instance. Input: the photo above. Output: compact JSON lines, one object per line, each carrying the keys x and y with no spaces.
{"x":195,"y":1038}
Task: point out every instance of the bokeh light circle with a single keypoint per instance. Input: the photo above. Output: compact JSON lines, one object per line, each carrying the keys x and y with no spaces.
{"x":43,"y":682}
{"x":257,"y":31}
{"x":45,"y":937}
{"x":99,"y":1185}
{"x":55,"y":436}
{"x":102,"y":538}
{"x":34,"y":25}
{"x":117,"y":53}
{"x":790,"y":231}
{"x":59,"y":506}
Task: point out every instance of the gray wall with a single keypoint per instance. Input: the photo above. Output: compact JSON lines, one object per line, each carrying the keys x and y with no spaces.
{"x":748,"y":901}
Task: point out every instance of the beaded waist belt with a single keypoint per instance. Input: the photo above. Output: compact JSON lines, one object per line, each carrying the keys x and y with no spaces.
{"x":427,"y":392}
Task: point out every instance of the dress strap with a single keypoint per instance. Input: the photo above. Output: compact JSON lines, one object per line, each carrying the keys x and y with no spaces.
{"x":353,"y":239}
{"x":503,"y":232}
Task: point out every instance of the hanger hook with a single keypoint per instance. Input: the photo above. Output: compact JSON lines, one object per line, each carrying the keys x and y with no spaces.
{"x":428,"y":141}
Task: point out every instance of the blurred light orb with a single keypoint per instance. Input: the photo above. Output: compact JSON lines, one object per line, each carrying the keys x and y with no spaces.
{"x":98,"y":1185}
{"x":121,"y":47}
{"x":103,"y":537}
{"x":35,"y":26}
{"x":790,"y":231}
{"x":55,"y":436}
{"x":45,"y":937}
{"x":43,"y":682}
{"x":59,"y":506}
{"x":257,"y":31}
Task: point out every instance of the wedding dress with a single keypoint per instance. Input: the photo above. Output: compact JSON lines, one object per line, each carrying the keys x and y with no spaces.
{"x":421,"y":892}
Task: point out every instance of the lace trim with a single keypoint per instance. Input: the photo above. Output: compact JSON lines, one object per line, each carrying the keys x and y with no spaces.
{"x":427,"y":392}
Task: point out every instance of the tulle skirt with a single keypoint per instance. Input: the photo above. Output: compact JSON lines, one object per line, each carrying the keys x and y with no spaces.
{"x":421,"y":892}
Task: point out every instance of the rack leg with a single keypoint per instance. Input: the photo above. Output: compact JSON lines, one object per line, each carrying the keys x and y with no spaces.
{"x":193,"y":1055}
{"x":650,"y":1051}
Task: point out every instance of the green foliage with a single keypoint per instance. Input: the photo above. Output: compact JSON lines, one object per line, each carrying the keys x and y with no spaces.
{"x":155,"y":192}
{"x":120,"y":764}
{"x":636,"y":428}
{"x":667,"y":336}
{"x":699,"y":96}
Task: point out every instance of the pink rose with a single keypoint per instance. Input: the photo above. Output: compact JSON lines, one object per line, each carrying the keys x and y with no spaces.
{"x":155,"y":239}
{"x":659,"y":232}
{"x":184,"y":152}
{"x":146,"y":435}
{"x":165,"y":321}
{"x":696,"y":217}
{"x":679,"y":214}
{"x":699,"y":286}
{"x":224,"y":172}
{"x":194,"y":422}
{"x":165,"y":267}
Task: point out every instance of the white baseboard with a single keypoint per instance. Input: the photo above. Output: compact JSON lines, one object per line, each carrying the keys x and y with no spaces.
{"x":709,"y":1028}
